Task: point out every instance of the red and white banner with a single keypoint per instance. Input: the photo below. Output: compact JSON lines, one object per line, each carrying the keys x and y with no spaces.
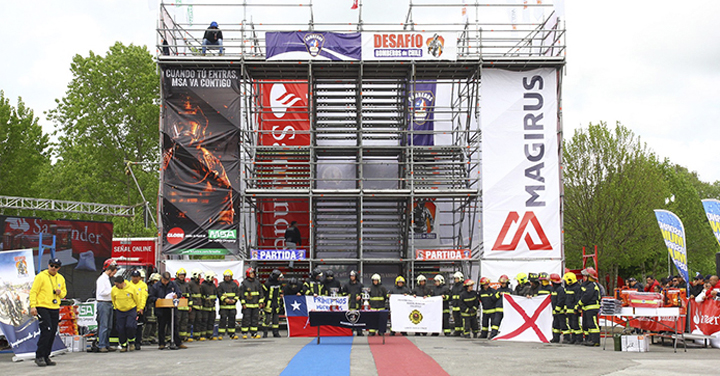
{"x":284,"y":121}
{"x":526,"y":319}
{"x":141,"y":248}
{"x":521,"y":172}
{"x":705,"y":317}
{"x":442,"y":254}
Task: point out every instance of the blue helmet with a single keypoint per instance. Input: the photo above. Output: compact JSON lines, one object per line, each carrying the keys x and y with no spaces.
{"x":213,"y":24}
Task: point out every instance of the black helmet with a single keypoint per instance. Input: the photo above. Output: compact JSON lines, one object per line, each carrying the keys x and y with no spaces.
{"x":275,"y":275}
{"x":329,"y":274}
{"x":353,"y":273}
{"x":293,"y":281}
{"x":316,"y":273}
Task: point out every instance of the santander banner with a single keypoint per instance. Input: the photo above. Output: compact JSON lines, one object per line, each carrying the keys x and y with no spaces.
{"x":284,"y":121}
{"x":521,"y":175}
{"x":141,"y":248}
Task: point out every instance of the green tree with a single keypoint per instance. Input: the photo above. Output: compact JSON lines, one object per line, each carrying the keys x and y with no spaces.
{"x":24,"y":149}
{"x":612,"y":184}
{"x":109,"y":115}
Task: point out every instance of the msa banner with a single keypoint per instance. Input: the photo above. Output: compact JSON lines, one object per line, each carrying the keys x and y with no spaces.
{"x":413,"y":314}
{"x":312,"y":45}
{"x":298,"y":319}
{"x":20,"y":328}
{"x":283,"y":121}
{"x":712,"y":211}
{"x":526,"y":319}
{"x":409,"y":45}
{"x":673,"y":233}
{"x":200,"y":161}
{"x":520,"y":169}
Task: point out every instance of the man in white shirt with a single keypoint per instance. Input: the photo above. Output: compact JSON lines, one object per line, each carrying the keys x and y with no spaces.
{"x":104,"y":310}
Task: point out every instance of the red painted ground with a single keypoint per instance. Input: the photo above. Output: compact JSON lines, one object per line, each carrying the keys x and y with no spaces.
{"x":399,"y":356}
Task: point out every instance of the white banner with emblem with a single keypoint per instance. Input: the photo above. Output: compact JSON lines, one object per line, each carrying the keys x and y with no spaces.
{"x":413,"y":314}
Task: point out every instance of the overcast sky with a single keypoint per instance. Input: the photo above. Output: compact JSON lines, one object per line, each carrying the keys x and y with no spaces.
{"x":653,"y":65}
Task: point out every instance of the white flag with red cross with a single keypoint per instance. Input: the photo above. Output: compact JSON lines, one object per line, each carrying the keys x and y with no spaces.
{"x":526,"y":319}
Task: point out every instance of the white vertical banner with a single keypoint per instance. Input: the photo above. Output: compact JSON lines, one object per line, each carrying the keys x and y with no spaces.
{"x":413,"y":314}
{"x":520,"y":169}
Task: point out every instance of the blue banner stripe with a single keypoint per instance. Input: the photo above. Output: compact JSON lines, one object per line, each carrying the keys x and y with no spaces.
{"x":330,"y":357}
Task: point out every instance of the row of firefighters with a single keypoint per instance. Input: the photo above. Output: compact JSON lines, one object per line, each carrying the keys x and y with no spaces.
{"x":575,"y":305}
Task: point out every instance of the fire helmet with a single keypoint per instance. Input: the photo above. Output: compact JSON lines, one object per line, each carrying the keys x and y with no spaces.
{"x":228,"y":273}
{"x":399,"y":279}
{"x":421,"y":278}
{"x":180,"y":271}
{"x":484,"y":281}
{"x":555,"y":278}
{"x":248,"y":271}
{"x":468,"y":282}
{"x":590,"y":272}
{"x":543,"y":276}
{"x":209,"y":275}
{"x":570,"y":278}
{"x":196,"y":273}
{"x":458,"y":275}
{"x":503,"y":279}
{"x":439,"y":278}
{"x":522,"y":278}
{"x":376,"y":277}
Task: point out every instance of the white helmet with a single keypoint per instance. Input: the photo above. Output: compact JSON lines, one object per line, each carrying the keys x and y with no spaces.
{"x":421,"y":278}
{"x":210,"y":275}
{"x":439,"y":278}
{"x":376,"y":277}
{"x":196,"y":273}
{"x":458,"y":275}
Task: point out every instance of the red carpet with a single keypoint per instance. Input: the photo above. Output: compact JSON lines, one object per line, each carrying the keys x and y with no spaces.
{"x":399,"y":356}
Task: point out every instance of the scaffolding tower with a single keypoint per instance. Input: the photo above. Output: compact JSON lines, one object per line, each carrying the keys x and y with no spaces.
{"x":360,"y":215}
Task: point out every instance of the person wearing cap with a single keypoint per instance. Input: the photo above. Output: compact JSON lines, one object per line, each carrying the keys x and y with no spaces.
{"x":125,"y":299}
{"x":632,"y":284}
{"x":213,"y":37}
{"x":166,"y":288}
{"x":47,"y":290}
{"x":696,"y":286}
{"x":104,"y":310}
{"x":142,"y":290}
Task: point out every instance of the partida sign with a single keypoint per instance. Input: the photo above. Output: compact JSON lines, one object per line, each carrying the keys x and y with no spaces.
{"x":142,"y":248}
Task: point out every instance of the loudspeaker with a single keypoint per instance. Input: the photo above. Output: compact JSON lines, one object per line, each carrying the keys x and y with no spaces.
{"x":717,"y":263}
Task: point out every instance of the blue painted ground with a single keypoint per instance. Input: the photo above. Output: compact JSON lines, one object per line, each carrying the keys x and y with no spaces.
{"x":330,"y":357}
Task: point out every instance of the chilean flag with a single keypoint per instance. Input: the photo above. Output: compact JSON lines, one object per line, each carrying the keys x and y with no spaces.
{"x":298,"y":322}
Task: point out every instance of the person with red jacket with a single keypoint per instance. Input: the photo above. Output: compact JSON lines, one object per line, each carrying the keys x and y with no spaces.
{"x":713,"y":292}
{"x":651,"y":283}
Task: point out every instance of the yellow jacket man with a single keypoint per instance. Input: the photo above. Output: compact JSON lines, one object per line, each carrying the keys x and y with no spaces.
{"x":47,"y":290}
{"x":142,"y":288}
{"x":125,"y":299}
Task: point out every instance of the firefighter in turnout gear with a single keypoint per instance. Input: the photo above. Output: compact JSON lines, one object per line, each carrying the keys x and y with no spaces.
{"x":523,"y":285}
{"x":545,"y":288}
{"x":353,"y":290}
{"x":455,"y":291}
{"x":315,"y":286}
{"x":590,"y":305}
{"x":468,"y":309}
{"x":293,"y":287}
{"x":486,"y":294}
{"x":572,"y":297}
{"x":399,"y":288}
{"x":378,"y":295}
{"x":558,"y":306}
{"x":183,"y":312}
{"x":251,"y":293}
{"x":209,"y":296}
{"x":330,"y":282}
{"x":195,"y":315}
{"x":498,"y":315}
{"x":422,"y":290}
{"x":440,"y":289}
{"x":229,"y":294}
{"x":272,"y":290}
{"x":534,"y":279}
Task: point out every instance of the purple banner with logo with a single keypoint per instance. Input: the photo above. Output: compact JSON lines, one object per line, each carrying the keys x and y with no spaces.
{"x":421,"y":103}
{"x":312,"y":45}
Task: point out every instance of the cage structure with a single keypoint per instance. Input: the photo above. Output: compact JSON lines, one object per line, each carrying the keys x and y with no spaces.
{"x":369,"y":192}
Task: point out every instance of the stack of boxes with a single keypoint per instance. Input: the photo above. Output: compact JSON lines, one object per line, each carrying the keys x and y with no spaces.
{"x":68,"y":329}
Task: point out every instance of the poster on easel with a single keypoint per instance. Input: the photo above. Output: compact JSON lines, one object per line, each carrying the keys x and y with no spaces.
{"x":19,"y":327}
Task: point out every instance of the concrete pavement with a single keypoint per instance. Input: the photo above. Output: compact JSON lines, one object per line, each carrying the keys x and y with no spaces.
{"x":455,"y":355}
